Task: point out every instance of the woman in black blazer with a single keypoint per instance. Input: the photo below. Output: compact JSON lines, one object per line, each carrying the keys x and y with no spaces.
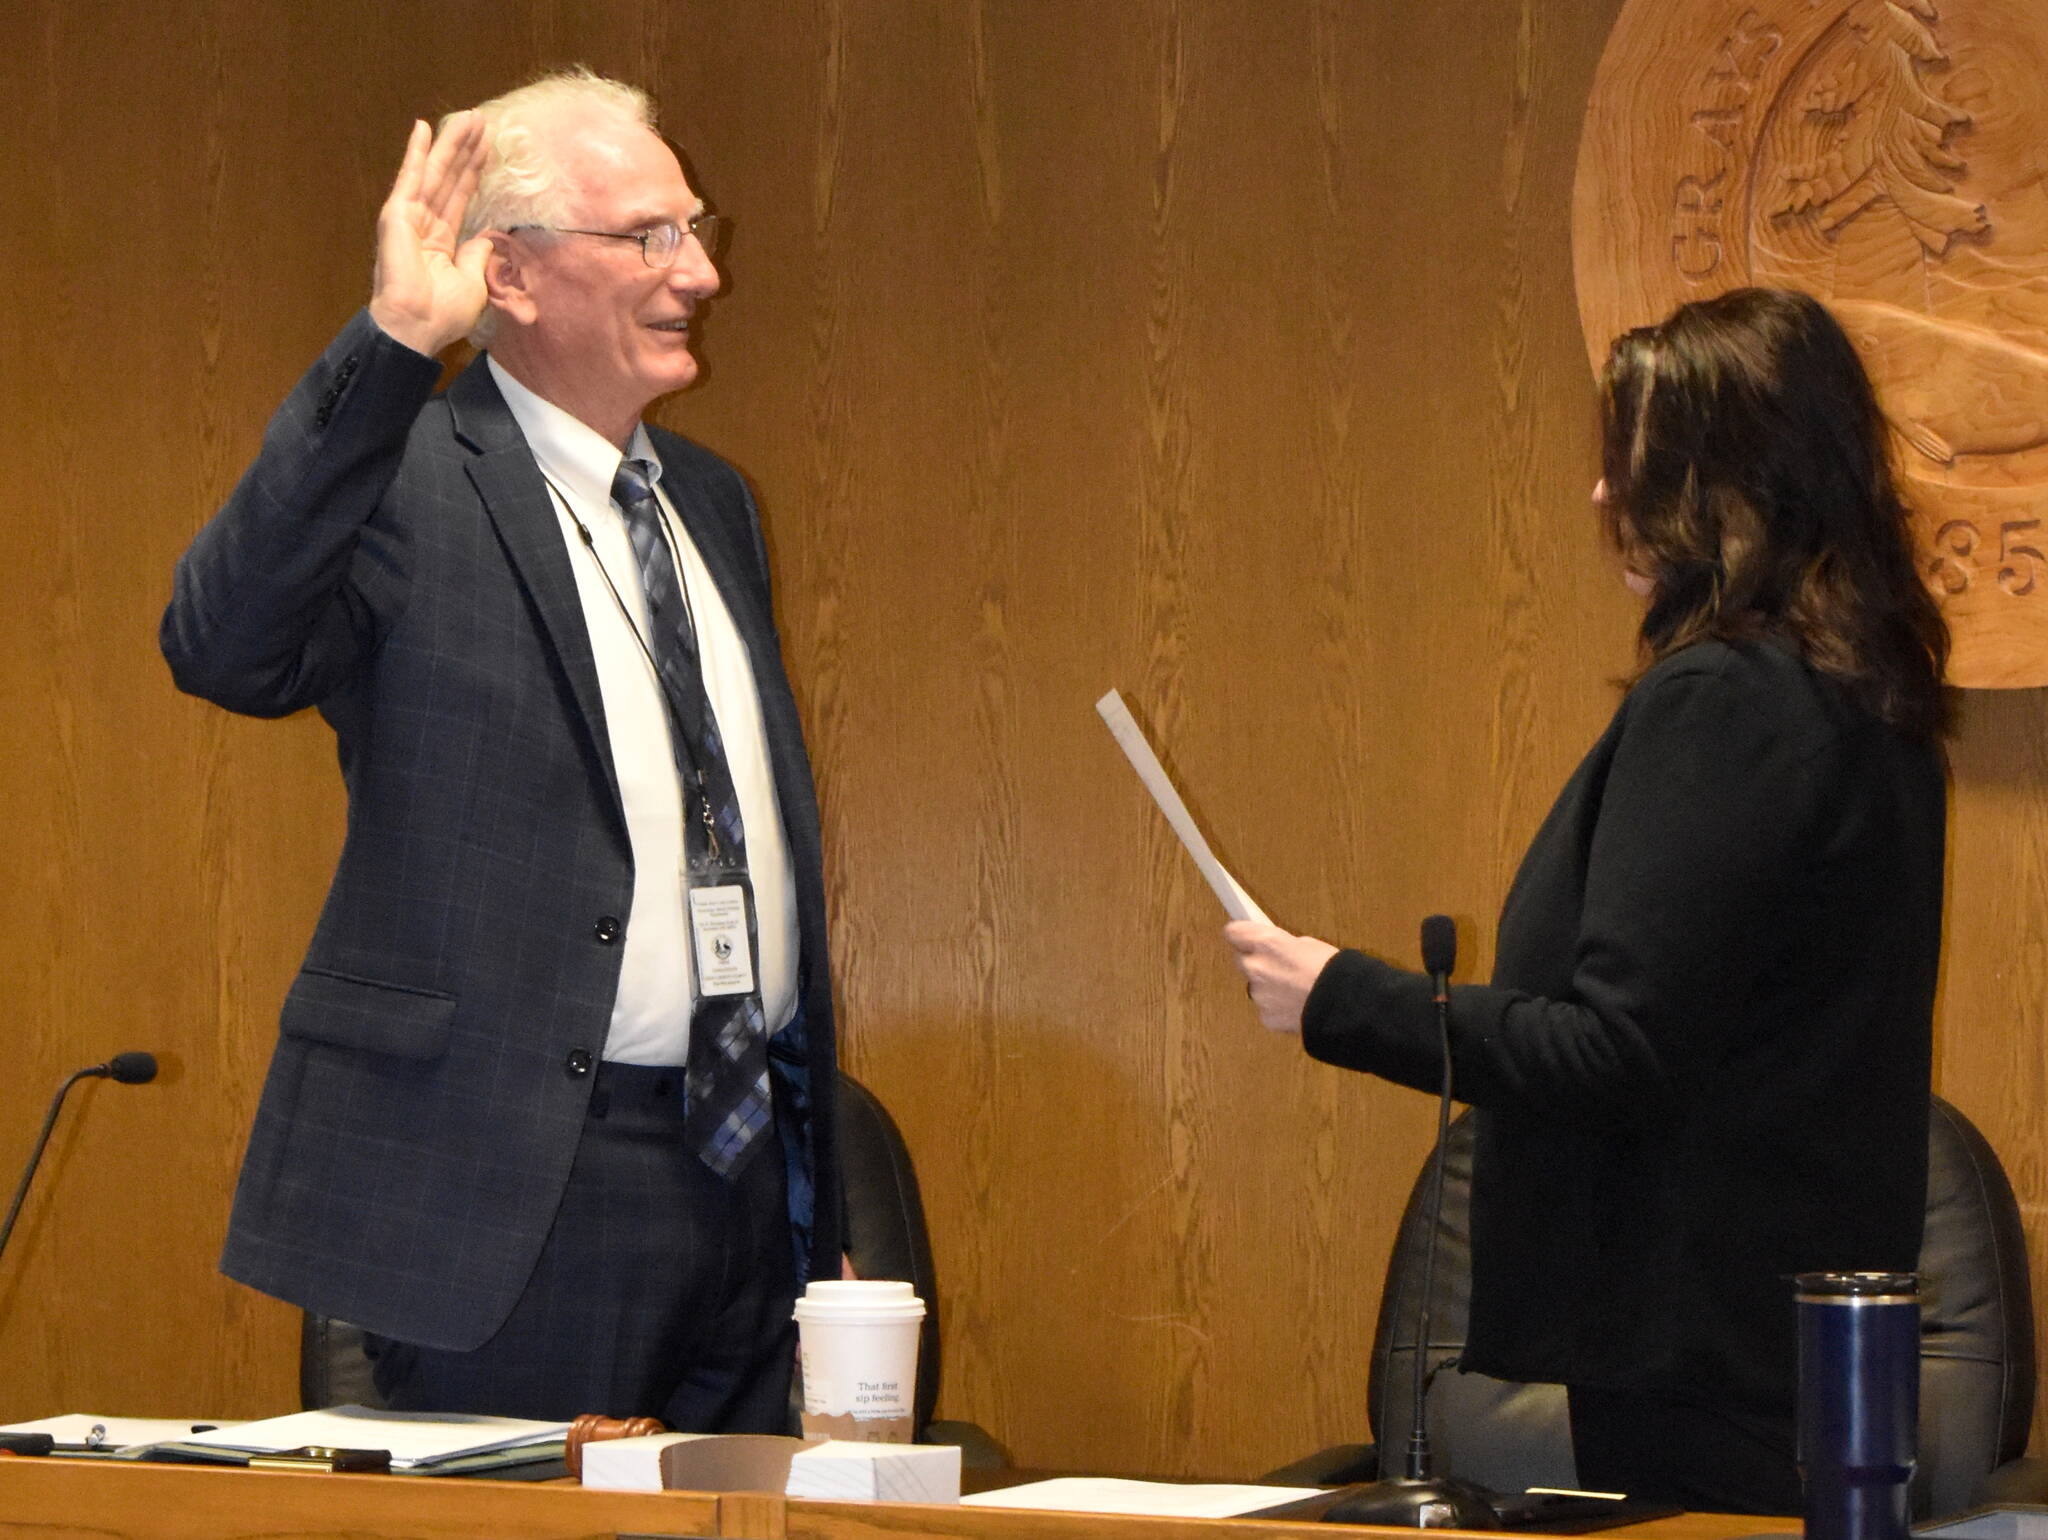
{"x":1702,"y":1064}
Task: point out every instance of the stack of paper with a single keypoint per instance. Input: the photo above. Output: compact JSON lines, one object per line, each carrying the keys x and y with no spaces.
{"x":886,"y":1473}
{"x":628,"y":1464}
{"x":1157,"y":1499}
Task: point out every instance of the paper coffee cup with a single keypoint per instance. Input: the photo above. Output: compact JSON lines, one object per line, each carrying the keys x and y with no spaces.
{"x":860,"y":1359}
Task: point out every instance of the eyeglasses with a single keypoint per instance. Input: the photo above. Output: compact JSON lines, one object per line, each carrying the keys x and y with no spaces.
{"x":660,"y":244}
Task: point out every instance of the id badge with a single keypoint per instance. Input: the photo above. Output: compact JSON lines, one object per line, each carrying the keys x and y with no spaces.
{"x":723,"y":934}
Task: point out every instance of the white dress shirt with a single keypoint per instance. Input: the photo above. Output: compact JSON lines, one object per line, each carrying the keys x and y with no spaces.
{"x":651,"y":1014}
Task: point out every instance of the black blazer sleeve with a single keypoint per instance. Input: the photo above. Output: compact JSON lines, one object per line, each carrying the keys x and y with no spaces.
{"x":1706,"y":820}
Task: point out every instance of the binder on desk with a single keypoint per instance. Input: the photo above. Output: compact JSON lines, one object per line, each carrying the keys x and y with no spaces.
{"x":84,"y":1433}
{"x":419,"y":1443}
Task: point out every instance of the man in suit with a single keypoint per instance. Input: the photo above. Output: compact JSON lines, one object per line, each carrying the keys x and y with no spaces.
{"x":551,"y":1111}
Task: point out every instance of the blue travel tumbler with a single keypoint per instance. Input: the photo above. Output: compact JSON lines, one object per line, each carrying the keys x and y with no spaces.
{"x":1859,"y":1402}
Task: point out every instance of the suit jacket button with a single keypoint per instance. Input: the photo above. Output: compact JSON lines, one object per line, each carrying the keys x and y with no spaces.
{"x":578,"y":1062}
{"x":607,"y":928}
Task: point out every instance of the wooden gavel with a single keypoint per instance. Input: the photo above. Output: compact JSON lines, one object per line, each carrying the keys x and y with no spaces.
{"x":592,"y":1426}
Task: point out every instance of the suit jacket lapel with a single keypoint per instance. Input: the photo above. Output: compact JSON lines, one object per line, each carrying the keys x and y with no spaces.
{"x":727,"y":545}
{"x":520,"y":506}
{"x":729,"y":560}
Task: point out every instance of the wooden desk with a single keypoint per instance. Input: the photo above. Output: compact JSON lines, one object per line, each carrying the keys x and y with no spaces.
{"x":803,"y":1520}
{"x":56,"y":1499}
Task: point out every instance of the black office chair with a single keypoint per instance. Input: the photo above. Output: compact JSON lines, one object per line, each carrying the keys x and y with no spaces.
{"x":885,"y":1237}
{"x":1976,"y":1353}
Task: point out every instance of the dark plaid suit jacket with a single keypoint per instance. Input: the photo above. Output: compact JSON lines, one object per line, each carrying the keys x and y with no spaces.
{"x":393,"y":559}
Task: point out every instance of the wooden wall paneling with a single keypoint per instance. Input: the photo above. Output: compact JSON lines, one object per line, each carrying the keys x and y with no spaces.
{"x":1162,"y":461}
{"x":901,"y":554}
{"x":1223,"y":352}
{"x":108,"y":449}
{"x":904,"y":546}
{"x":1989,"y":1054}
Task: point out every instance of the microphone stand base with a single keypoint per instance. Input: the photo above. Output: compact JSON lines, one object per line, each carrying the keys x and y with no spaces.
{"x":1400,"y":1503}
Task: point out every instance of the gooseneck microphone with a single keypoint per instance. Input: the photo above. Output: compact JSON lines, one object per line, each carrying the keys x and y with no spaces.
{"x":1439,"y":958}
{"x":126,"y":1068}
{"x":1439,"y":954}
{"x":1418,"y":1499}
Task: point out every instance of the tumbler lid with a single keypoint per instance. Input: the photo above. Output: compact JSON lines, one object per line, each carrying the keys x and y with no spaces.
{"x":1868,"y":1288}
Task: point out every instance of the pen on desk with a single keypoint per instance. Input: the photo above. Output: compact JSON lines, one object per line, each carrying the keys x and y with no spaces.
{"x":205,"y":1427}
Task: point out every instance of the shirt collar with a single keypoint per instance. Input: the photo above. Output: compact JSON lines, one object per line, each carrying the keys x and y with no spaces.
{"x":570,"y":453}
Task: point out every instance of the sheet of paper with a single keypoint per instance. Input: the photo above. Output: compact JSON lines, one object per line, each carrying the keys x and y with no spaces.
{"x":1153,"y":1499}
{"x":414,"y":1438}
{"x":76,"y":1428}
{"x":1123,"y":727}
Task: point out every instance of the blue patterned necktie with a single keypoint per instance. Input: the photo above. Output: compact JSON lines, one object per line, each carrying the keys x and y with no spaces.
{"x":727,"y":1074}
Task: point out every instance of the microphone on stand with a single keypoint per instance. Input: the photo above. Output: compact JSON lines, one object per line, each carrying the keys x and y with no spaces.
{"x":130,"y":1068}
{"x":126,"y":1068}
{"x":1418,"y":1498}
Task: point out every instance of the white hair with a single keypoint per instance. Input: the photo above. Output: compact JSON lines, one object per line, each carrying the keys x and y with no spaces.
{"x":523,"y":181}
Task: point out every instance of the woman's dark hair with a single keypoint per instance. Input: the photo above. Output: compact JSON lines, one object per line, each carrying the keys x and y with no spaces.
{"x":1749,"y":478}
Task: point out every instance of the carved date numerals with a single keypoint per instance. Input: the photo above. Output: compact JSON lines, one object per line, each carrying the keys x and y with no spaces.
{"x":1962,"y":553}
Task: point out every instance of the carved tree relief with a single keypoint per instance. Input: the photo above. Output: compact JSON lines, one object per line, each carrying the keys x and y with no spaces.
{"x":1879,"y":133}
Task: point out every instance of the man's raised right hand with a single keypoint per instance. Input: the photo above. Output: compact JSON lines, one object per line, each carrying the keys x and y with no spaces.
{"x":428,"y":290}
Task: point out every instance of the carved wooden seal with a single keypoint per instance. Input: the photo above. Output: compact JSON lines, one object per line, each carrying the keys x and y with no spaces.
{"x":1889,"y":157}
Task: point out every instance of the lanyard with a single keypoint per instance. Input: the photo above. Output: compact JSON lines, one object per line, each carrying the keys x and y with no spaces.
{"x":678,"y":732}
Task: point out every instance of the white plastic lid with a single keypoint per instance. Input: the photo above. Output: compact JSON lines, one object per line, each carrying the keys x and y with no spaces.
{"x":859,"y":1299}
